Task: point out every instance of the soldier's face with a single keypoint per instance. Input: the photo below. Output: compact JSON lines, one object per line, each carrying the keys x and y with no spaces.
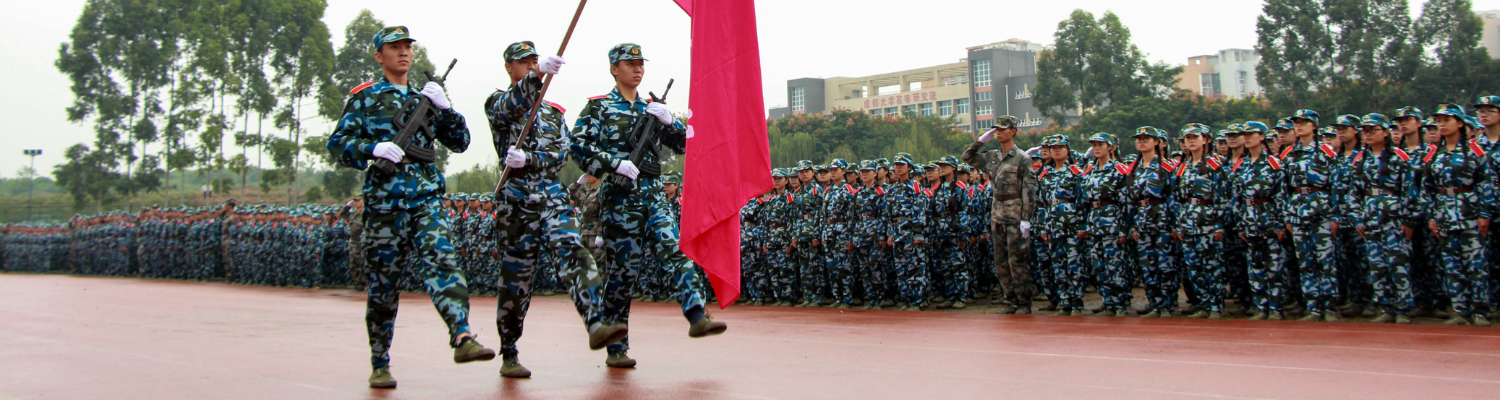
{"x":945,"y":170}
{"x":628,"y":73}
{"x":519,"y":68}
{"x":670,"y":188}
{"x":931,"y":174}
{"x":867,"y":176}
{"x":1254,"y":140}
{"x":1432,"y":136}
{"x":1006,"y":135}
{"x":1348,"y":134}
{"x":1304,"y":128}
{"x":805,"y":176}
{"x":395,"y":57}
{"x":591,"y":179}
{"x":1145,"y":144}
{"x":1101,"y":150}
{"x":1284,"y":137}
{"x":1448,"y":125}
{"x":1331,"y":140}
{"x":1408,"y":125}
{"x":1236,"y":141}
{"x":1375,"y":136}
{"x":902,"y":169}
{"x":794,"y":184}
{"x":1488,"y":115}
{"x":779,"y":182}
{"x":1193,"y":143}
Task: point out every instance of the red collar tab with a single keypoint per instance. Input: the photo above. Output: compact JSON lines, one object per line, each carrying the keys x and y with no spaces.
{"x":1328,"y":150}
{"x":1213,"y":163}
{"x":361,"y":87}
{"x":1287,"y":151}
{"x":1275,"y":163}
{"x":1476,"y":148}
{"x":1402,"y":154}
{"x":1431,"y":152}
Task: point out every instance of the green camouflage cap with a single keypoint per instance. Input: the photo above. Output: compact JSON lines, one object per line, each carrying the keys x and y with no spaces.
{"x":778,"y":172}
{"x":1488,"y":101}
{"x":1006,"y":122}
{"x":868,"y":164}
{"x":1429,"y":123}
{"x":1149,"y":131}
{"x":1450,"y":109}
{"x":949,"y":160}
{"x":1375,"y":120}
{"x":1346,"y":120}
{"x":1103,"y":138}
{"x":671,"y":179}
{"x":519,"y":50}
{"x":625,"y":51}
{"x":1327,"y":131}
{"x":1473,"y":122}
{"x":1222,"y":135}
{"x":904,"y":158}
{"x":839,"y":163}
{"x":883,"y":163}
{"x":1306,"y":114}
{"x":390,"y":34}
{"x":1195,"y":129}
{"x":805,"y":165}
{"x":1284,"y":123}
{"x":1254,"y":127}
{"x":1234,"y":129}
{"x":1409,"y":112}
{"x":820,"y":168}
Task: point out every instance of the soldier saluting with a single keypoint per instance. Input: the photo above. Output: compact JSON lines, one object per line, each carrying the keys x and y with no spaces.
{"x":1010,"y":213}
{"x":405,"y":231}
{"x":637,"y":221}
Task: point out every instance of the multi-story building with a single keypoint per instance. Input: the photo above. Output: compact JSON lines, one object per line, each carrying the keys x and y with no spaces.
{"x":996,"y":79}
{"x":1491,"y":34}
{"x":1228,"y":73}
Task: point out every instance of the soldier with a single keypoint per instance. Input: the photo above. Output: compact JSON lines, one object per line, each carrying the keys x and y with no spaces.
{"x":869,"y":235}
{"x":1487,"y":109}
{"x":806,"y":239}
{"x":949,"y":239}
{"x":1199,"y":226}
{"x":906,"y":231}
{"x":1060,"y":230}
{"x":1149,"y":188}
{"x":1309,"y":170}
{"x":1257,"y":185}
{"x":1383,"y":185}
{"x":406,"y":232}
{"x":1104,"y":199}
{"x":1460,"y":200}
{"x":1352,"y":272}
{"x":355,"y":218}
{"x":837,"y":231}
{"x":1014,"y":202}
{"x":1041,"y":254}
{"x":778,"y":218}
{"x":585,"y":199}
{"x":753,"y":249}
{"x":536,"y":214}
{"x":635,"y":217}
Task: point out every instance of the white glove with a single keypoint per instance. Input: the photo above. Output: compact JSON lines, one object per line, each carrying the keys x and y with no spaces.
{"x":660,"y":111}
{"x":628,"y":169}
{"x":434,"y":92}
{"x":515,"y":158}
{"x":1026,"y":229}
{"x":987,"y":136}
{"x":389,"y":151}
{"x":1088,"y":154}
{"x":598,"y":242}
{"x":582,"y":179}
{"x":550,"y":65}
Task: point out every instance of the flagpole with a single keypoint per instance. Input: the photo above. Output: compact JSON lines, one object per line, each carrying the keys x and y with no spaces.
{"x":537,"y":104}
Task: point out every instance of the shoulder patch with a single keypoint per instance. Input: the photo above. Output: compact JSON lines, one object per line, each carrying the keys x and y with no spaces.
{"x":1431,"y":152}
{"x":557,"y":106}
{"x":599,"y":97}
{"x":1327,"y":150}
{"x":1213,"y":163}
{"x":1169,"y":165}
{"x":1402,"y":154}
{"x":1124,"y":169}
{"x":879,"y":190}
{"x":1075,"y":170}
{"x":1087,"y":170}
{"x":1474,"y":146}
{"x":1275,"y":163}
{"x":1286,"y":152}
{"x":961,"y":185}
{"x":361,"y":87}
{"x":1357,"y":157}
{"x":1179,"y":172}
{"x":1044,"y":173}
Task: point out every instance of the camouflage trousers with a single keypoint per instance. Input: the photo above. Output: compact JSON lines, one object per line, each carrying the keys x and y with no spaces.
{"x":1265,"y":267}
{"x":1111,"y":272}
{"x":841,"y":276}
{"x":811,"y":270}
{"x":1428,"y":289}
{"x":1012,"y":262}
{"x":1068,"y":271}
{"x":1201,"y":256}
{"x":753,"y":273}
{"x":1387,"y":253}
{"x":950,"y":272}
{"x":1317,"y":262}
{"x":1468,"y":277}
{"x":911,"y":272}
{"x":870,"y":263}
{"x":781,"y":273}
{"x":637,"y":228}
{"x":1042,"y":276}
{"x":979,"y":258}
{"x":537,"y":232}
{"x":1353,"y":270}
{"x":1158,"y":272}
{"x":410,"y":242}
{"x":1235,"y":276}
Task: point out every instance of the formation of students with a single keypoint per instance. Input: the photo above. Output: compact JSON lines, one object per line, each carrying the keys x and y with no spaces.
{"x":1312,"y":218}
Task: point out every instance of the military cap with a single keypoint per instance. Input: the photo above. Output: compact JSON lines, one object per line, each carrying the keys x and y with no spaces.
{"x":1103,"y":138}
{"x":778,"y":172}
{"x":964,"y":168}
{"x":1473,"y":122}
{"x":519,"y":50}
{"x":1195,"y":129}
{"x":1327,"y":131}
{"x":821,"y":168}
{"x":390,"y":34}
{"x":805,"y":165}
{"x":1488,"y":101}
{"x":671,"y":179}
{"x":1375,"y":119}
{"x":1346,"y":120}
{"x":883,"y":163}
{"x":1034,"y":153}
{"x":868,"y":164}
{"x":1060,"y":140}
{"x":1150,"y":131}
{"x":1234,"y":129}
{"x":1006,"y":122}
{"x":839,"y":163}
{"x":950,"y":160}
{"x":1221,"y":135}
{"x":1405,"y":112}
{"x":1284,"y":123}
{"x":1306,"y":114}
{"x":1450,"y":109}
{"x":625,"y":51}
{"x":1255,"y":127}
{"x":1429,"y":123}
{"x":903,"y":158}
{"x":917,"y":168}
{"x":932,"y":164}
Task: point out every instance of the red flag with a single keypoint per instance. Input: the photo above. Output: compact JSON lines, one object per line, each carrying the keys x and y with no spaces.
{"x":729,"y":145}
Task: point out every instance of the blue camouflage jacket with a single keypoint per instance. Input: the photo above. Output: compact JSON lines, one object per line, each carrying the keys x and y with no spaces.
{"x":367,"y":121}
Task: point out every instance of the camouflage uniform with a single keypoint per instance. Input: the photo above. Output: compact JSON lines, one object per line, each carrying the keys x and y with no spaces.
{"x":637,"y":222}
{"x":1102,"y":193}
{"x":906,"y":227}
{"x":405,"y":231}
{"x":1310,"y":180}
{"x":837,"y":220}
{"x":949,"y":272}
{"x":1200,"y":217}
{"x":1459,"y":192}
{"x":1149,"y":188}
{"x":869,"y":236}
{"x":752,"y":241}
{"x":1059,"y":196}
{"x":807,"y":256}
{"x":1257,"y":186}
{"x":1383,"y":187}
{"x":778,"y":216}
{"x":1014,"y":203}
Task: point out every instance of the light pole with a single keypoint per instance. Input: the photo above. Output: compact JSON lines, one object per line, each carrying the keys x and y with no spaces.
{"x":32,"y":184}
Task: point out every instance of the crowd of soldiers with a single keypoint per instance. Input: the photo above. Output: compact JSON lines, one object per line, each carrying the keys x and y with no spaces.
{"x":33,"y":247}
{"x":1369,"y":216}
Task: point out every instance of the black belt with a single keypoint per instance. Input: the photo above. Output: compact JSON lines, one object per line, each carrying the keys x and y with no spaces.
{"x":1148,"y":203}
{"x":1454,"y":190}
{"x":1062,"y":201}
{"x":750,"y":224}
{"x":867,"y":218}
{"x":1102,"y":203}
{"x":1257,"y":201}
{"x":1308,"y":189}
{"x":950,"y":213}
{"x":836,"y":220}
{"x":1201,"y":202}
{"x":778,"y":226}
{"x":1379,"y":192}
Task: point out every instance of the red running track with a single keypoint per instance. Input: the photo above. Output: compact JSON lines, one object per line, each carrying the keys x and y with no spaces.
{"x":64,"y":337}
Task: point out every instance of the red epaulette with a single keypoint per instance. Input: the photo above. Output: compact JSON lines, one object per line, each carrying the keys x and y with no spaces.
{"x":599,"y":97}
{"x":1086,"y":170}
{"x":1275,"y":163}
{"x":986,"y":182}
{"x":1328,"y":150}
{"x":814,"y":190}
{"x":555,"y":105}
{"x":970,"y":191}
{"x":1474,"y":145}
{"x":361,"y":87}
{"x":1402,"y":154}
{"x":1179,"y":172}
{"x":1043,"y":174}
{"x":1431,"y":152}
{"x":1124,"y":169}
{"x":1075,"y":170}
{"x":1286,"y":151}
{"x":879,"y":190}
{"x":851,"y":189}
{"x":1238,"y":163}
{"x":927,"y":192}
{"x":916,"y":186}
{"x":1213,"y":163}
{"x":1036,"y":166}
{"x":961,"y":185}
{"x":1357,"y":157}
{"x":760,"y":200}
{"x":1169,"y":165}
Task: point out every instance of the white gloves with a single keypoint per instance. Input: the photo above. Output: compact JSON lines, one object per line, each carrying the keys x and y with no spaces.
{"x":598,"y":242}
{"x":434,"y":92}
{"x":628,"y":169}
{"x":660,"y":111}
{"x":1088,"y":154}
{"x":389,"y":151}
{"x":550,"y":65}
{"x":987,"y":136}
{"x":1026,"y":229}
{"x":515,"y":158}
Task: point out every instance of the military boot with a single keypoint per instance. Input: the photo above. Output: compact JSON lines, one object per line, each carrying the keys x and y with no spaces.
{"x":619,"y":360}
{"x":1152,"y":314}
{"x":1215,"y":315}
{"x":1384,"y":318}
{"x":1104,"y":313}
{"x":1048,"y":307}
{"x":1006,"y":310}
{"x":959,"y":305}
{"x":512,"y":367}
{"x":470,"y":350}
{"x":1367,"y":312}
{"x":1201,"y":314}
{"x":1331,"y":316}
{"x":1275,"y":316}
{"x":606,"y":334}
{"x":1457,"y":320}
{"x":888,"y":303}
{"x":706,"y":326}
{"x":841,"y":306}
{"x":1481,"y":321}
{"x":942,"y":305}
{"x":1258,"y":315}
{"x":1310,"y":317}
{"x":1403,"y":320}
{"x":1166,"y":314}
{"x":857,"y":302}
{"x":1023,"y":310}
{"x":381,"y":378}
{"x":1077,"y":313}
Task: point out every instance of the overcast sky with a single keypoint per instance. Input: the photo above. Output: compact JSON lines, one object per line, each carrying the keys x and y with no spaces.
{"x":798,"y":38}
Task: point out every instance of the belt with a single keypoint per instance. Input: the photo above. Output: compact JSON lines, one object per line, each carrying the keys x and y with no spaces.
{"x":1454,"y":190}
{"x":1378,"y":192}
{"x":835,"y":220}
{"x":1257,"y":201}
{"x":867,"y":218}
{"x":1062,"y":201}
{"x":1201,"y":202}
{"x":778,"y":226}
{"x":1148,"y":203}
{"x":950,"y":213}
{"x":1008,"y":197}
{"x":901,"y":219}
{"x":1308,"y":189}
{"x":1103,"y":203}
{"x":750,"y":224}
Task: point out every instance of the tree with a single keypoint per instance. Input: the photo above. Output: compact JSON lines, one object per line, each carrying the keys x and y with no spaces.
{"x":88,"y":176}
{"x":1295,"y":51}
{"x":1094,"y":64}
{"x":355,"y":64}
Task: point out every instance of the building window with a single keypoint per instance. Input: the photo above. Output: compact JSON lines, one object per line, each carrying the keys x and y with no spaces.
{"x":908,"y":110}
{"x":983,"y":124}
{"x":890,"y":111}
{"x":1244,"y":75}
{"x":797,"y":102}
{"x":945,"y":108}
{"x":961,"y":106}
{"x":875,"y":112}
{"x":981,"y":73}
{"x":983,"y":96}
{"x":858,"y":93}
{"x":984,"y":110}
{"x":926,"y":109}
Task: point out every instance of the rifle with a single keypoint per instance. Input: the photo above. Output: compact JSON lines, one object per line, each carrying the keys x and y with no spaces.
{"x":537,"y":105}
{"x":411,"y":120}
{"x":643,"y":141}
